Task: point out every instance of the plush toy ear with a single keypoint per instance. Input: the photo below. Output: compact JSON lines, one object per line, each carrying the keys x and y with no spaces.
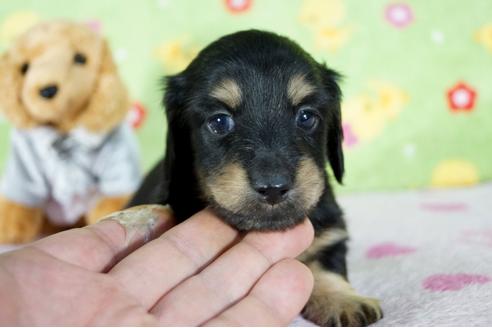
{"x":335,"y":132}
{"x":11,"y":80}
{"x":109,"y":102}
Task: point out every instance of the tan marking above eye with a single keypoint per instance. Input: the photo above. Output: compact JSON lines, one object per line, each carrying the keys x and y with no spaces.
{"x":298,"y":89}
{"x":228,"y":92}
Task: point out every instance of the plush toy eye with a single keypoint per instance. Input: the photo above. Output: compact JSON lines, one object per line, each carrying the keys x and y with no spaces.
{"x":79,"y":58}
{"x":24,"y":68}
{"x":307,"y":120}
{"x":220,"y":124}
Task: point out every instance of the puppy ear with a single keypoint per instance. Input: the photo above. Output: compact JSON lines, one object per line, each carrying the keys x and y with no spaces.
{"x":161,"y":180}
{"x":178,"y":158}
{"x":11,"y":81}
{"x":109,"y":102}
{"x":175,"y":93}
{"x":174,"y":102}
{"x":335,"y":132}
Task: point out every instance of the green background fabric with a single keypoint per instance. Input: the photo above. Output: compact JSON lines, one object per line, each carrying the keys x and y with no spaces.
{"x":402,"y":61}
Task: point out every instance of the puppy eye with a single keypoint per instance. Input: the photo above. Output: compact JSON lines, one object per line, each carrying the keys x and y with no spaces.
{"x":307,"y":120}
{"x":24,"y":68}
{"x":79,"y":58}
{"x":220,"y":124}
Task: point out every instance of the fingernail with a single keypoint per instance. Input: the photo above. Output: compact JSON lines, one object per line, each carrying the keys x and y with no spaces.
{"x":140,"y":220}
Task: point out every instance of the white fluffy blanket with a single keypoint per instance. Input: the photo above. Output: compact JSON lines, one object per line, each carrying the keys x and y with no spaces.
{"x":426,"y":255}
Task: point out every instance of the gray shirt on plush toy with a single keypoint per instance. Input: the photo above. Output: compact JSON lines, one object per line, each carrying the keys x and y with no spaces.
{"x":66,"y":174}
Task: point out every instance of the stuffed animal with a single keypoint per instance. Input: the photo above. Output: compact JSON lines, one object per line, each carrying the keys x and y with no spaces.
{"x":72,"y":154}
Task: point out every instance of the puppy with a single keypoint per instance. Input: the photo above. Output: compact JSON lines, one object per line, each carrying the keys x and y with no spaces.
{"x":253,"y":120}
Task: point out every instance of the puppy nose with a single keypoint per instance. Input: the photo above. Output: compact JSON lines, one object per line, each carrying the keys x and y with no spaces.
{"x":49,"y":91}
{"x":274,"y":193}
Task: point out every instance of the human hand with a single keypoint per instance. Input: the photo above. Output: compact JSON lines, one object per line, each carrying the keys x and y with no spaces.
{"x":200,"y":272}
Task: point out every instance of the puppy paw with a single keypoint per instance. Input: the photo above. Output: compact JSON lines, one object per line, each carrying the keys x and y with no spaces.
{"x":334,"y":302}
{"x":341,"y":309}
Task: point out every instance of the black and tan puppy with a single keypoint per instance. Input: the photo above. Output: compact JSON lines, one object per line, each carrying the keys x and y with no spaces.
{"x":253,"y":121}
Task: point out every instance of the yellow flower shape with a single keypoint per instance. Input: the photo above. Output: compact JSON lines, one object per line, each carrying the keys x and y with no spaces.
{"x":17,"y":23}
{"x":484,"y":36}
{"x":368,"y":113}
{"x":322,"y":13}
{"x":360,"y":113}
{"x":332,"y":38}
{"x":453,"y":173}
{"x":326,"y":19}
{"x":175,"y":55}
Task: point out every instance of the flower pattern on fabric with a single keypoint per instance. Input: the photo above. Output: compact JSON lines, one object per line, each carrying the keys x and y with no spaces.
{"x":400,"y":15}
{"x":484,"y":36}
{"x":349,"y":138}
{"x":387,"y":250}
{"x":452,"y":173}
{"x":238,"y":6}
{"x":326,"y":18}
{"x":369,"y":112}
{"x":136,"y":115}
{"x":461,"y":97}
{"x":453,"y":282}
{"x":176,"y":55}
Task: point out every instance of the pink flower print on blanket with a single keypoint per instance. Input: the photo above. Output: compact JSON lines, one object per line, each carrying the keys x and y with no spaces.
{"x":453,"y":282}
{"x":388,"y":249}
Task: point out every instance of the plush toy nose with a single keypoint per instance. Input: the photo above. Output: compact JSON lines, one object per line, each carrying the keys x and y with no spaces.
{"x":49,"y":91}
{"x":273,"y":193}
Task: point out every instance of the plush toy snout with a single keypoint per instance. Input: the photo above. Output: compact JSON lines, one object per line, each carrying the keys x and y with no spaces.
{"x":59,"y":81}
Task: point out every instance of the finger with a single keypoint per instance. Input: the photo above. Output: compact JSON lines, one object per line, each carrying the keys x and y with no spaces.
{"x":276,"y":299}
{"x":153,"y":270}
{"x":98,"y":247}
{"x":231,"y":276}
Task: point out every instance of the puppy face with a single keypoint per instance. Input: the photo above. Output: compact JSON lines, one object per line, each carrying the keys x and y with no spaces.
{"x":262,"y":118}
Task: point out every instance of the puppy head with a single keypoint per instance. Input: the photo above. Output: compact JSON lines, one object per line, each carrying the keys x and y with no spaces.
{"x":52,"y":74}
{"x":261,"y":118}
